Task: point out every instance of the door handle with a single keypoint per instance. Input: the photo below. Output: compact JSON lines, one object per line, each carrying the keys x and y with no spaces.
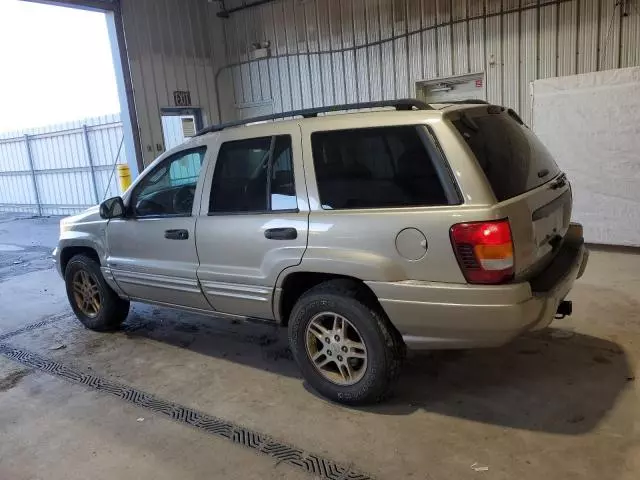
{"x":281,"y":233}
{"x":176,"y":234}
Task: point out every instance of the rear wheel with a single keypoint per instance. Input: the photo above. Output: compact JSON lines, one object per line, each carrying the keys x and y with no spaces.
{"x":95,"y":304}
{"x":344,"y":344}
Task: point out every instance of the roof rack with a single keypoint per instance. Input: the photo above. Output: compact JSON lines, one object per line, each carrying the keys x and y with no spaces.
{"x":470,"y":101}
{"x":404,"y":104}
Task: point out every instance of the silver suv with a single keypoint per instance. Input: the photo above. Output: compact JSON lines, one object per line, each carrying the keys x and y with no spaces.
{"x":404,"y":225}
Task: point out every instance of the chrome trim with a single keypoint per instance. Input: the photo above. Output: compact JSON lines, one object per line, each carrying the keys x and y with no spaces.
{"x":236,"y":290}
{"x":158,"y":281}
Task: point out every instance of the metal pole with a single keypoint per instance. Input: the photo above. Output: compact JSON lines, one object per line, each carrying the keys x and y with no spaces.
{"x":33,"y":174}
{"x":93,"y":172}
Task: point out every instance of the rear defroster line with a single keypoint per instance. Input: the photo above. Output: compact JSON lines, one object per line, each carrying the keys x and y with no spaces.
{"x":259,"y":442}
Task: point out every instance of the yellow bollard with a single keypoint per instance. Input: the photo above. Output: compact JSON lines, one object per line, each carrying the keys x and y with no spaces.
{"x":124,"y":177}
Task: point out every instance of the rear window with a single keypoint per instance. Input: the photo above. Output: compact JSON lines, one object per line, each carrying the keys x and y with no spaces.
{"x":511,"y":156}
{"x":375,"y":168}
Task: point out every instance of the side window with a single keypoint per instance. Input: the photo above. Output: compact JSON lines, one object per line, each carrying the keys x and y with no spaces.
{"x":170,"y":188}
{"x":254,"y":175}
{"x":375,"y":168}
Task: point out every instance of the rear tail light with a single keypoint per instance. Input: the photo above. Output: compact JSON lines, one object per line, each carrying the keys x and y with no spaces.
{"x":484,"y":251}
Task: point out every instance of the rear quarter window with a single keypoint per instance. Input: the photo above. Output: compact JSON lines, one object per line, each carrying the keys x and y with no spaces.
{"x":375,"y":168}
{"x":513,"y":159}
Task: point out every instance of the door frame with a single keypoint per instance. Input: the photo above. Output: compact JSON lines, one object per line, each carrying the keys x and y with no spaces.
{"x":179,"y":111}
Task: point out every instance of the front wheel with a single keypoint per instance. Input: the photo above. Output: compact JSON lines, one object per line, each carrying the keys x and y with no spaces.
{"x":95,"y":304}
{"x":344,"y":344}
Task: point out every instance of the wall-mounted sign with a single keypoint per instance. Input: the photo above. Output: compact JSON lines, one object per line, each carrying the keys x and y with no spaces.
{"x":182,"y":98}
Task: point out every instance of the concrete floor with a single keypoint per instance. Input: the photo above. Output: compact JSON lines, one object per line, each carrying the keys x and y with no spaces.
{"x":561,"y":404}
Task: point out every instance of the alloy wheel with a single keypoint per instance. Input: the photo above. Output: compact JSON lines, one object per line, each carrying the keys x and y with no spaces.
{"x":86,"y":292}
{"x":336,"y":348}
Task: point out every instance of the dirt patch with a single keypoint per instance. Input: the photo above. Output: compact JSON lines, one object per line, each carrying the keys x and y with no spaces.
{"x":11,"y":380}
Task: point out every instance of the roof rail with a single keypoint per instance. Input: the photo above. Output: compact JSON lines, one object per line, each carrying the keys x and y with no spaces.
{"x":470,"y":101}
{"x":403,"y":104}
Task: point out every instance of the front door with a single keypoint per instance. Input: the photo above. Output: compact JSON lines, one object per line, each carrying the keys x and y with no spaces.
{"x":153,"y":250}
{"x":255,"y":222}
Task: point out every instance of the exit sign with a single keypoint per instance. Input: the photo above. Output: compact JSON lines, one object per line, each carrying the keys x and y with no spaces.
{"x":182,"y":98}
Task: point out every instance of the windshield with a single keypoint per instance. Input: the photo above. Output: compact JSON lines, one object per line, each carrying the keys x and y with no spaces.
{"x":511,"y":156}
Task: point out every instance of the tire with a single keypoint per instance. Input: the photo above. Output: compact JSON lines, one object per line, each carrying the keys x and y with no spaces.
{"x":112,"y":310}
{"x":384,"y":349}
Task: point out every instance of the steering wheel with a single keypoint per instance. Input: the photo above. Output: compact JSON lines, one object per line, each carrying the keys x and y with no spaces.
{"x":183,"y":199}
{"x":149,"y":207}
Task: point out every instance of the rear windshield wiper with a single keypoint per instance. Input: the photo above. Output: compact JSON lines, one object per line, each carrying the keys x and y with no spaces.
{"x":560,"y":182}
{"x":515,"y":116}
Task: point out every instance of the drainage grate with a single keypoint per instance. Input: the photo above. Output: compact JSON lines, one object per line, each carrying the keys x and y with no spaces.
{"x":34,"y":326}
{"x":283,"y":453}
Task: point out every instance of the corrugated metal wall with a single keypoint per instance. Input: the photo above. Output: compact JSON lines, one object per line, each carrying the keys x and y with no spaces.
{"x":60,"y":169}
{"x":172,"y":45}
{"x":333,"y":51}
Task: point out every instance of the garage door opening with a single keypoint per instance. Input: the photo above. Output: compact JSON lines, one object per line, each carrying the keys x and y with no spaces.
{"x":65,"y":119}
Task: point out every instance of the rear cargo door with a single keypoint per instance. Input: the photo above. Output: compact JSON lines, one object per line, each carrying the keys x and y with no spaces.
{"x":530,"y":189}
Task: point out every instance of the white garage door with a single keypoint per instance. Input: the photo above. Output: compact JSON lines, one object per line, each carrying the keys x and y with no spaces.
{"x":591,"y":123}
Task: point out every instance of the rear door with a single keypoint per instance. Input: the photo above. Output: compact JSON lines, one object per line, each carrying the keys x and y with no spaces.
{"x":254,"y":218}
{"x":530,"y":188}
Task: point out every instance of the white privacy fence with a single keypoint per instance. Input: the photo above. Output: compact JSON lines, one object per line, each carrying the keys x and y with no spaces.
{"x":60,"y":169}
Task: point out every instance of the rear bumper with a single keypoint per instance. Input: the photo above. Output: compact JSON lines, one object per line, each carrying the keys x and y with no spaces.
{"x":437,"y":315}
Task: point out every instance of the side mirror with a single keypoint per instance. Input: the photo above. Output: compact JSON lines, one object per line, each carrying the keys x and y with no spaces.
{"x":112,"y":208}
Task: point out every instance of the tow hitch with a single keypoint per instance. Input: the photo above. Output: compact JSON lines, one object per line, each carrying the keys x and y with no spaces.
{"x":564,"y":309}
